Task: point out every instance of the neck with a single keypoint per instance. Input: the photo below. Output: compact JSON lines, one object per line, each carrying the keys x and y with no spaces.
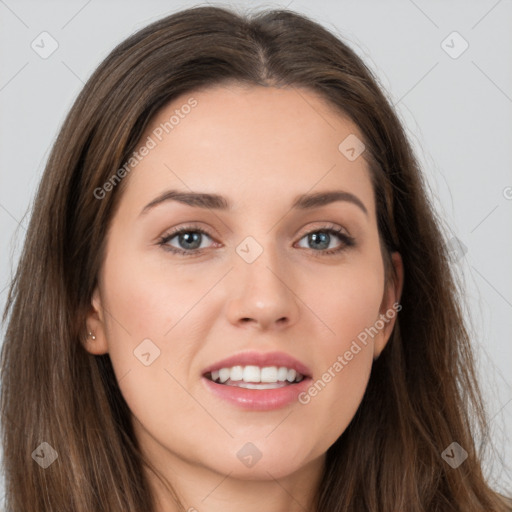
{"x":202,"y":489}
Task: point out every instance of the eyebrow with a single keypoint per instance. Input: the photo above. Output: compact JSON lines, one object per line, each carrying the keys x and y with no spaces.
{"x":218,"y":202}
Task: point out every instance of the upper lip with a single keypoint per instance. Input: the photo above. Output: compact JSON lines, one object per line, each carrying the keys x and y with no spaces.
{"x":261,"y":359}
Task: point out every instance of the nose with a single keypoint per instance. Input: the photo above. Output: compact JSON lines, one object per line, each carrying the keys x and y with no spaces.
{"x":262,"y":294}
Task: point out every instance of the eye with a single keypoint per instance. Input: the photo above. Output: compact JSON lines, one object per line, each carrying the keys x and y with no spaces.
{"x":189,"y":239}
{"x":320,"y":240}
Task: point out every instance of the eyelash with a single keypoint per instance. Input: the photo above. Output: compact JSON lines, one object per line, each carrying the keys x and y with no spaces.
{"x":347,"y":241}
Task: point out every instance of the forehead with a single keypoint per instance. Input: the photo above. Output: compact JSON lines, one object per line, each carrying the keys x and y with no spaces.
{"x":254,"y":143}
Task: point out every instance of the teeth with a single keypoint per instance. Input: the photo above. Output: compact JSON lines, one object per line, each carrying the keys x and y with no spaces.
{"x":251,"y":374}
{"x":237,"y":373}
{"x":255,"y":374}
{"x":249,"y":385}
{"x":282,"y":373}
{"x":224,"y":374}
{"x":269,"y":374}
{"x":291,"y":375}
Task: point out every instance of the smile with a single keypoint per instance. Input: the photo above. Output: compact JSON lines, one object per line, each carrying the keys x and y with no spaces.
{"x":255,"y":377}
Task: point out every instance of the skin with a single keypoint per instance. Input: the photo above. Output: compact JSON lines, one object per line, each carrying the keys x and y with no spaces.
{"x":260,"y":148}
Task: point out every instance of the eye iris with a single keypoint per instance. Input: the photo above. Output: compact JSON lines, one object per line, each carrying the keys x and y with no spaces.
{"x":190,"y":237}
{"x":319,"y":239}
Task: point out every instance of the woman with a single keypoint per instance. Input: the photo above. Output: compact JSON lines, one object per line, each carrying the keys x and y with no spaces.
{"x":234,"y":292}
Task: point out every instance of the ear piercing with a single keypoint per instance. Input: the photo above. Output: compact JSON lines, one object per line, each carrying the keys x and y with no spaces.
{"x":91,"y":335}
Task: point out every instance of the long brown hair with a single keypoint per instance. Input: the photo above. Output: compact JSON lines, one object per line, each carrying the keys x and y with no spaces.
{"x":422,"y":394}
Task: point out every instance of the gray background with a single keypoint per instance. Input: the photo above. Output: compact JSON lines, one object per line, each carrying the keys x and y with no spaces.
{"x":457,"y":111}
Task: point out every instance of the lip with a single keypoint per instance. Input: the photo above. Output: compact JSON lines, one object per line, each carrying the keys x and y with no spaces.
{"x":260,"y":359}
{"x":258,"y":399}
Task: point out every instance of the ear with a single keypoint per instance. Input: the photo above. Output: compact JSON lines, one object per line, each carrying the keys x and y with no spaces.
{"x":390,"y":304}
{"x":97,"y":343}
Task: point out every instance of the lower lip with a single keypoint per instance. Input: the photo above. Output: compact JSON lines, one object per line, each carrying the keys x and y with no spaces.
{"x":258,"y":399}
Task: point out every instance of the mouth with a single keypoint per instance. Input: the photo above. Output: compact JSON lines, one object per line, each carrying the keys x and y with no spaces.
{"x":257,"y":381}
{"x":255,"y":377}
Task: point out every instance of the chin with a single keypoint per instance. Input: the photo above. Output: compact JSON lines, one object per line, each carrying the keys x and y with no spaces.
{"x":262,"y":459}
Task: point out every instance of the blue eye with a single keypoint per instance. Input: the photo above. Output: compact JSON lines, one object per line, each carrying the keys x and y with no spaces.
{"x":190,"y":239}
{"x":321,"y":238}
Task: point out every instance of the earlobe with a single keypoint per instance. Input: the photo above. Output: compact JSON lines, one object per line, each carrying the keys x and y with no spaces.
{"x":390,"y":305}
{"x":96,"y":340}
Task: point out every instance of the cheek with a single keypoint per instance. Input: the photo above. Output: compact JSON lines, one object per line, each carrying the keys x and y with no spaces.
{"x":148,"y":312}
{"x":146,"y":298}
{"x":147,"y":317}
{"x":349,"y":308}
{"x":347,"y":300}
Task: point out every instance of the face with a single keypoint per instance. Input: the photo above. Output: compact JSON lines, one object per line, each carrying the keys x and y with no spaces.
{"x":262,"y":283}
